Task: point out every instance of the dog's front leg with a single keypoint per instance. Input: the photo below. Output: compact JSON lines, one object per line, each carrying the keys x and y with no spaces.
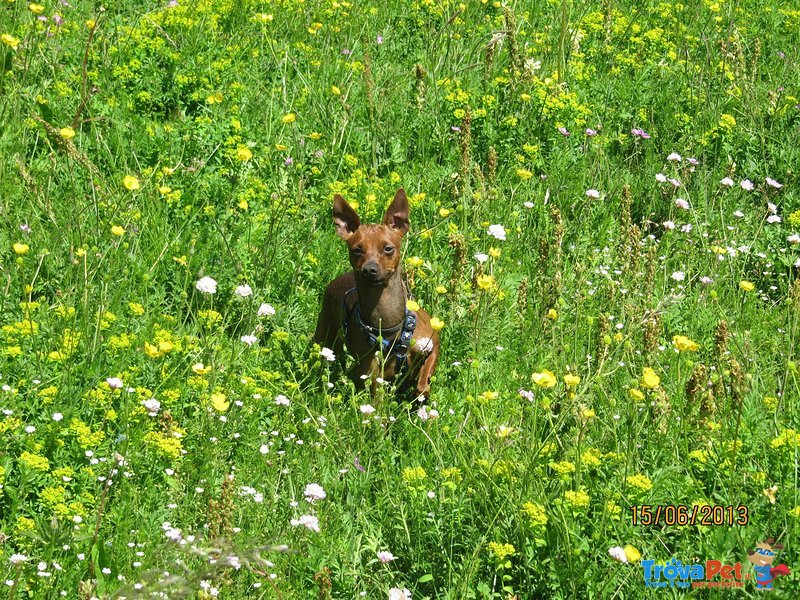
{"x":426,"y":372}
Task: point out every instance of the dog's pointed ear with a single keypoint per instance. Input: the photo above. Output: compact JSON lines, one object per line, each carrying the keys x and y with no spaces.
{"x":396,"y":215}
{"x":345,"y":218}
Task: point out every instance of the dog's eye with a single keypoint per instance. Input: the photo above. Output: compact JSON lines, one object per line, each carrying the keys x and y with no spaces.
{"x":358,"y":251}
{"x":388,"y":249}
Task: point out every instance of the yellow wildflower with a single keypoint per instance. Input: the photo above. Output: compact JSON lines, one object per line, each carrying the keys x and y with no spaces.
{"x":640,"y":482}
{"x":505,"y":431}
{"x":727,"y":121}
{"x":414,"y":475}
{"x":131,"y":183}
{"x":289,"y":118}
{"x":649,"y":378}
{"x":118,"y":230}
{"x":579,"y":499}
{"x":699,"y":455}
{"x":501,"y":551}
{"x":24,"y":524}
{"x":243,"y":153}
{"x":35,"y":462}
{"x":10,"y":41}
{"x":545,"y":379}
{"x":220,"y":402}
{"x":591,"y":458}
{"x":684,"y":344}
{"x":21,"y":249}
{"x":452,"y":474}
{"x":787,"y":437}
{"x":536,"y":513}
{"x":166,"y":444}
{"x":67,"y":133}
{"x":485,"y":282}
{"x":746,"y":286}
{"x":201,"y":369}
{"x":563,"y":467}
{"x":436,"y":323}
{"x":489,"y":395}
{"x":136,"y":308}
{"x":632,"y":554}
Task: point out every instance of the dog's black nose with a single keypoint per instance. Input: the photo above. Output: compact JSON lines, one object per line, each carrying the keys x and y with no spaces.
{"x":370,"y":269}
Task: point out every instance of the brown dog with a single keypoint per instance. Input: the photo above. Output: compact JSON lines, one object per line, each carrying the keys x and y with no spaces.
{"x":366,"y":308}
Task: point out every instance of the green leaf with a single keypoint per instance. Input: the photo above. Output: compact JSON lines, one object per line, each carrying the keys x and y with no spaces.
{"x":98,"y":572}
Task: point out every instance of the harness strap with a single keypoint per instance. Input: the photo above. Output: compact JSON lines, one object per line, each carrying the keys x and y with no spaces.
{"x":347,"y":311}
{"x":398,"y":345}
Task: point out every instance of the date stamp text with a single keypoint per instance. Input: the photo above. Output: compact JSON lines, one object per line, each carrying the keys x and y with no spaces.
{"x":649,"y":515}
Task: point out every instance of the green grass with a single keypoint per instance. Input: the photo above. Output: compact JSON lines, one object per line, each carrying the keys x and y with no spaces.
{"x":234,"y":124}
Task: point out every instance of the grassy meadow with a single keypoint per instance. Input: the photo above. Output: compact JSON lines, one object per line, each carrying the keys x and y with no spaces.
{"x":605,"y":221}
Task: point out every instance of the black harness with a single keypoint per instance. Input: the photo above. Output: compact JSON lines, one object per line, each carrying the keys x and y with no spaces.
{"x":397,"y":345}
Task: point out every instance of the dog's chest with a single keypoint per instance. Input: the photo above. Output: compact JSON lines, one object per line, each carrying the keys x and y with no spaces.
{"x":370,"y":359}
